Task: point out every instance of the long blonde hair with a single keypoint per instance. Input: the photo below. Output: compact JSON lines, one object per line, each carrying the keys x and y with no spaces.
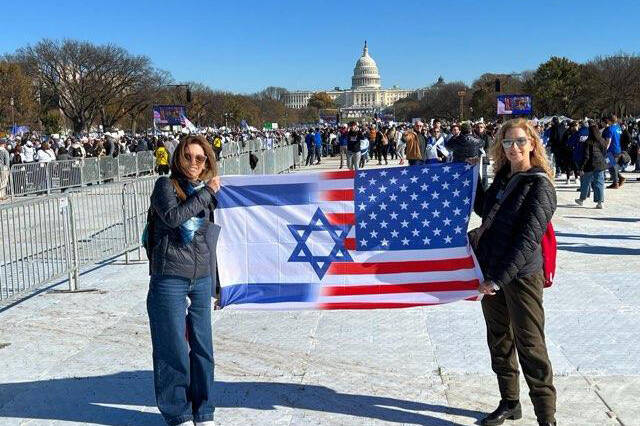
{"x":538,"y":156}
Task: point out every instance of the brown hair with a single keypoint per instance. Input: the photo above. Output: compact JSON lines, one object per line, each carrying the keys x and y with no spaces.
{"x":180,"y":164}
{"x":538,"y":156}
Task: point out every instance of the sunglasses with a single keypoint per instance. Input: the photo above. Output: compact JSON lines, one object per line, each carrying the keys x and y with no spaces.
{"x":508,"y":143}
{"x":200,"y":159}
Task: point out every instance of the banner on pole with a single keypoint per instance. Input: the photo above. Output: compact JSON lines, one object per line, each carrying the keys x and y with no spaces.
{"x":514,"y":104}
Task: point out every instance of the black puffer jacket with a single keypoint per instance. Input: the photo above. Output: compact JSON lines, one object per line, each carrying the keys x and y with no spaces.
{"x":510,"y":248}
{"x":595,"y":153}
{"x":170,"y":257}
{"x":463,"y":147}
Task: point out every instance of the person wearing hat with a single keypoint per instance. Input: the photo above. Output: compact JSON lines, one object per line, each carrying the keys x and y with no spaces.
{"x":4,"y":168}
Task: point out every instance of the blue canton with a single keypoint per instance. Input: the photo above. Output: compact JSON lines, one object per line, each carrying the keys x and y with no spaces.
{"x":416,"y":207}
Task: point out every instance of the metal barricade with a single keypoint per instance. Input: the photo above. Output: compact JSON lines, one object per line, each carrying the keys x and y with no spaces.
{"x":244,"y":166}
{"x":146,"y":162}
{"x":35,"y":238}
{"x":136,"y":199}
{"x":29,"y":178}
{"x":108,"y":169}
{"x":46,"y":238}
{"x":90,"y":171}
{"x":127,"y":165}
{"x":65,"y":174}
{"x":269,"y":162}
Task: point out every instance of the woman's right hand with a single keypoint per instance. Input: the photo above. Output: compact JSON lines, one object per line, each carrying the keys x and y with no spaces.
{"x":214,"y":183}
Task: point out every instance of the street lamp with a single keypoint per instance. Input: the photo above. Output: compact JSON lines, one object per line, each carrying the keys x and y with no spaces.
{"x":461,"y":94}
{"x":13,"y":115}
{"x":182,"y":85}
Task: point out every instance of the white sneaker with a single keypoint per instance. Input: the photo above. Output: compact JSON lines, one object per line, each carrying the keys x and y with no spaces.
{"x":188,"y":423}
{"x":207,"y":423}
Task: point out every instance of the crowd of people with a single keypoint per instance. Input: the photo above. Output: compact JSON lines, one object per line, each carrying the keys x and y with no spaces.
{"x":38,"y":148}
{"x":357,"y":144}
{"x":584,"y":150}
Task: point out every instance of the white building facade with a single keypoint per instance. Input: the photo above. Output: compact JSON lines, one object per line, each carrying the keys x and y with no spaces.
{"x":365,"y":96}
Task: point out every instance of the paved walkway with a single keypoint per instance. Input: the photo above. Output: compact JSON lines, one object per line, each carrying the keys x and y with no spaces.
{"x":85,"y":358}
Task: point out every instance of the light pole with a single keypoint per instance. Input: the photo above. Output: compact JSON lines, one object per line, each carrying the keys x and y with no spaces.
{"x":461,"y":94}
{"x":13,"y":115}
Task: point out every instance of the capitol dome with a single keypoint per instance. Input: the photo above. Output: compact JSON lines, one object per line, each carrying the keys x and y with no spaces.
{"x":365,"y":73}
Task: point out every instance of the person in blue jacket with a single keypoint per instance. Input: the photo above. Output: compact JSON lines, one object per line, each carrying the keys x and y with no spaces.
{"x":311,"y":147}
{"x":318,"y":142}
{"x":612,"y":136}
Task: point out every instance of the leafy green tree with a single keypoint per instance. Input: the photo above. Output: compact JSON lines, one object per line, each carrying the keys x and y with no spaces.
{"x":556,"y":86}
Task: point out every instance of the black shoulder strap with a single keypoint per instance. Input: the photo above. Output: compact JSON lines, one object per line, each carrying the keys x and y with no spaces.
{"x":488,"y":221}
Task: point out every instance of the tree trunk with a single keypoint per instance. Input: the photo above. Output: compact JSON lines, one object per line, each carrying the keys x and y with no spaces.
{"x":78,"y":126}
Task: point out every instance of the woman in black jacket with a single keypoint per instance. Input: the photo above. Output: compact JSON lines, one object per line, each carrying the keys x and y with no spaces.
{"x":593,"y":167}
{"x":510,"y":257}
{"x":181,"y":282}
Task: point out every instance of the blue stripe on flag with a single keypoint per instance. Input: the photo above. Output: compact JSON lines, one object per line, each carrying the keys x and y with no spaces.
{"x":266,"y":293}
{"x":265,"y":195}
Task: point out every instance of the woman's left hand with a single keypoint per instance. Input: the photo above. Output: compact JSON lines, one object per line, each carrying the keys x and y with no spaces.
{"x":486,"y":287}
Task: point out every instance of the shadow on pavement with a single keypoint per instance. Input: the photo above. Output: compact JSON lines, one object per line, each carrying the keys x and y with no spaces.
{"x":589,"y":249}
{"x":607,"y":219}
{"x":119,"y":399}
{"x":599,"y":236}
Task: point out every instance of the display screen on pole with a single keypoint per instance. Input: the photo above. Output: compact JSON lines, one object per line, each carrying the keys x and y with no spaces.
{"x":514,"y":104}
{"x":169,"y":115}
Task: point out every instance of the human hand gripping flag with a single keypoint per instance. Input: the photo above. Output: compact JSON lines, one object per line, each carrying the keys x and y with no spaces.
{"x":376,"y":238}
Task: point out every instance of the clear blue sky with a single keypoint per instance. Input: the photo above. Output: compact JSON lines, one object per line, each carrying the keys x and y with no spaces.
{"x":244,"y":46}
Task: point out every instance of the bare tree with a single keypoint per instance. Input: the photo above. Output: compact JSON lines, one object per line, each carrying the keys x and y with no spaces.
{"x":612,"y":84}
{"x":85,"y":78}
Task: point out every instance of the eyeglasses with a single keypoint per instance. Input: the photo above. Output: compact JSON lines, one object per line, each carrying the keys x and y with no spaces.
{"x":508,"y":143}
{"x":200,"y":159}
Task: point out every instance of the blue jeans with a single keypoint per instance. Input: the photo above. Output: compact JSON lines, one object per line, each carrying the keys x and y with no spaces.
{"x":614,"y":171}
{"x":596,"y":181}
{"x":182,"y":369}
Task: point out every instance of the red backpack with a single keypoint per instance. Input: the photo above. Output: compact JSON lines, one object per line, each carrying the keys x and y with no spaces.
{"x":549,"y":252}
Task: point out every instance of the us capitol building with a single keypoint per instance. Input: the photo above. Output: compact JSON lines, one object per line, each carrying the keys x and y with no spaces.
{"x":365,"y":96}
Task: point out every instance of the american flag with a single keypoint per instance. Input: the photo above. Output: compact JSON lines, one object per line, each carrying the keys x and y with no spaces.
{"x":376,"y":238}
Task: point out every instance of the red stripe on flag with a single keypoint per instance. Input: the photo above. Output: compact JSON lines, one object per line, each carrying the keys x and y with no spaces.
{"x":400,"y":288}
{"x":345,"y":174}
{"x":341,"y":218}
{"x":337,"y":195}
{"x":372,"y":305}
{"x":350,"y":243}
{"x":348,"y":268}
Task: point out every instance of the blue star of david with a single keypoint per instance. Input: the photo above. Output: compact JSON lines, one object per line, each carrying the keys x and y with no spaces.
{"x":301,"y":252}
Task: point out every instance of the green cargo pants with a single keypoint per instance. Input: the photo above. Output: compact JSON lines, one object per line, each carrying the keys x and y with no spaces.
{"x":515,"y":322}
